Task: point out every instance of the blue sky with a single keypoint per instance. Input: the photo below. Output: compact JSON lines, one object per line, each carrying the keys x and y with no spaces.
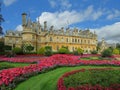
{"x":102,"y":16}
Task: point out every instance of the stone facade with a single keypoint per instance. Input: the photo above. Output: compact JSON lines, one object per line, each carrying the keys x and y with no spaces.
{"x":40,"y":36}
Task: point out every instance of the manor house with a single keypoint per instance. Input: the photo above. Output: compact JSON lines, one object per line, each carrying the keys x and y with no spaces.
{"x":40,"y":36}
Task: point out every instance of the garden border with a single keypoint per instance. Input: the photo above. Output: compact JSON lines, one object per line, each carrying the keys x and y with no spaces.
{"x":61,"y":86}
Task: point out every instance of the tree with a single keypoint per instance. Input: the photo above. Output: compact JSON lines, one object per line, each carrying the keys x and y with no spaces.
{"x":115,"y":51}
{"x":118,"y":46}
{"x":1,"y":47}
{"x":107,"y":53}
{"x":7,"y":48}
{"x":1,"y":20}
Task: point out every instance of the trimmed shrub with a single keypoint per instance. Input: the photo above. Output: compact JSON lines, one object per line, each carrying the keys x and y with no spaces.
{"x":80,"y":51}
{"x":107,"y":53}
{"x":94,"y":52}
{"x":48,"y":50}
{"x":41,"y":51}
{"x":63,"y":51}
{"x":17,"y":50}
{"x":115,"y":51}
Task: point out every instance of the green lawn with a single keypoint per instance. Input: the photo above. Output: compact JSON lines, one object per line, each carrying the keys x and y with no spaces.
{"x":48,"y":81}
{"x":5,"y":65}
{"x":96,"y":58}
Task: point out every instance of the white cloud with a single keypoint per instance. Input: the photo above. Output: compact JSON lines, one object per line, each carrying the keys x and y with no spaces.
{"x":19,"y":28}
{"x":8,"y":2}
{"x":111,"y":33}
{"x":90,"y":13}
{"x":113,"y":14}
{"x":61,"y":19}
{"x":65,"y":4}
{"x":62,"y":4}
{"x":52,"y":3}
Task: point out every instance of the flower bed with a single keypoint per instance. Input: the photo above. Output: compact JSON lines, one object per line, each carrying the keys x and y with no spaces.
{"x":8,"y":77}
{"x":34,"y":58}
{"x":82,"y":80}
{"x":22,"y":58}
{"x":116,"y":55}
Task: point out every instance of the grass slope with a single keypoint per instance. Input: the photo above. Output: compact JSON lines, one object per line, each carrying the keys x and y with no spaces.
{"x":48,"y":81}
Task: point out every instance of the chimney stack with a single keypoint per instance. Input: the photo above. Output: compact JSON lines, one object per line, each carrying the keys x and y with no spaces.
{"x":45,"y":25}
{"x":24,"y":21}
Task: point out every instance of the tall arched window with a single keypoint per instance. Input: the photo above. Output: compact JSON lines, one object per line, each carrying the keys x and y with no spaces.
{"x":57,"y":47}
{"x":50,"y":38}
{"x":66,"y":39}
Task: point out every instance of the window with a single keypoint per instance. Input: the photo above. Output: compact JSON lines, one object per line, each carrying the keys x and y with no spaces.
{"x":17,"y":34}
{"x":39,"y":39}
{"x":62,"y":39}
{"x":73,"y":48}
{"x":50,"y":38}
{"x":85,"y":41}
{"x":10,"y":40}
{"x":57,"y":47}
{"x":66,"y":39}
{"x":76,"y":48}
{"x":75,"y":40}
{"x":78,"y":40}
{"x":72,"y":40}
{"x":17,"y":40}
{"x":88,"y":41}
